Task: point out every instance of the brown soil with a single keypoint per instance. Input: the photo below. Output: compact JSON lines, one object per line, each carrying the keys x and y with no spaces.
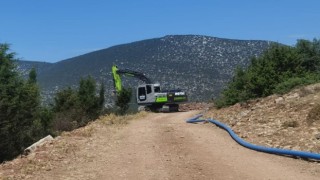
{"x":192,"y":106}
{"x":290,"y":121}
{"x":153,"y":146}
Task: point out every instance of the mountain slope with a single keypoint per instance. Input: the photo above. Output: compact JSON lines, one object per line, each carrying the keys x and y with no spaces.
{"x":25,"y":66}
{"x":201,"y":65}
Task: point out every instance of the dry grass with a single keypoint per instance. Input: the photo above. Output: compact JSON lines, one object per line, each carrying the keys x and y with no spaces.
{"x":86,"y":131}
{"x":109,"y":119}
{"x":307,"y":90}
{"x":114,"y":119}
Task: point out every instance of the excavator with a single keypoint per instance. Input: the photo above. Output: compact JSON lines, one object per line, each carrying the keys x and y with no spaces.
{"x":149,"y":95}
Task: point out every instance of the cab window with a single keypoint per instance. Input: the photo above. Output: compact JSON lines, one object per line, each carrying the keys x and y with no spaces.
{"x":157,"y":89}
{"x":149,"y":89}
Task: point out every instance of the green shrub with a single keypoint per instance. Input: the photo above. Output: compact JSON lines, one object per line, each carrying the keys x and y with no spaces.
{"x":277,"y":70}
{"x":123,"y":99}
{"x":75,"y":108}
{"x":291,"y":83}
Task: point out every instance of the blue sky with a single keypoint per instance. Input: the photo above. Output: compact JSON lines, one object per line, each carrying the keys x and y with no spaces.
{"x":54,"y":30}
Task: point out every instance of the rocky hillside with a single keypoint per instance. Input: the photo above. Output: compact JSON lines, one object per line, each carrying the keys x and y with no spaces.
{"x":25,"y":66}
{"x":201,"y":65}
{"x":290,"y":121}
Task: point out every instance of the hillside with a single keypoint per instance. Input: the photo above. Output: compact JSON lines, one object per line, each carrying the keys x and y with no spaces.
{"x":163,"y":146}
{"x":201,"y":65}
{"x":24,"y":67}
{"x":290,"y":121}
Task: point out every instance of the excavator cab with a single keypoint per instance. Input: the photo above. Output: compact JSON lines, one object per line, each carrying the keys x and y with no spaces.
{"x":146,"y":93}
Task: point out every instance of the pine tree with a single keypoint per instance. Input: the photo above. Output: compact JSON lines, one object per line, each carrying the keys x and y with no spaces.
{"x":32,"y":76}
{"x":75,"y":108}
{"x":123,"y":99}
{"x":19,"y":103}
{"x":89,"y":102}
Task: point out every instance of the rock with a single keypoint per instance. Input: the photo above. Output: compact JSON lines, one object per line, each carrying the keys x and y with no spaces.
{"x":279,"y":100}
{"x":244,"y":113}
{"x":34,"y":146}
{"x":317,"y":136}
{"x":293,"y":96}
{"x":244,"y":136}
{"x":287,"y":147}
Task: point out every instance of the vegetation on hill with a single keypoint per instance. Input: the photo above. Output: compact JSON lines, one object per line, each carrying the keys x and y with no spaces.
{"x":24,"y":120}
{"x":123,"y":99}
{"x":75,"y":108}
{"x":277,"y":70}
{"x":193,"y":63}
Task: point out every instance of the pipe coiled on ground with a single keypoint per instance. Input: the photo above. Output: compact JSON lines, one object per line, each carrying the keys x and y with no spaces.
{"x":285,"y":152}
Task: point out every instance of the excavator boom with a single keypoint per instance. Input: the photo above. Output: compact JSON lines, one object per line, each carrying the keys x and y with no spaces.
{"x":127,"y":72}
{"x":116,"y":79}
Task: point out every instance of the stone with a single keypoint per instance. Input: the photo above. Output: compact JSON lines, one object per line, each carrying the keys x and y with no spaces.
{"x":279,"y":100}
{"x":317,"y":136}
{"x":34,"y":146}
{"x":293,"y":96}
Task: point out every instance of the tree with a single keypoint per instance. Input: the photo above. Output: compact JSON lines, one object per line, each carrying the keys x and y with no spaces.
{"x":66,"y":109}
{"x":88,"y":100}
{"x":19,"y":104}
{"x":32,"y":76}
{"x":75,"y":108}
{"x":309,"y":54}
{"x":277,"y":70}
{"x":123,"y":99}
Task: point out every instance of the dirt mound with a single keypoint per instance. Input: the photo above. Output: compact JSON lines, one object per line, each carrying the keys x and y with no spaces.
{"x":194,"y":106}
{"x":290,"y":121}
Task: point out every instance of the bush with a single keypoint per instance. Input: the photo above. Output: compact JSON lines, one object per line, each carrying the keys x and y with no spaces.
{"x":75,"y":108}
{"x":291,"y":83}
{"x":277,"y":70}
{"x":123,"y":99}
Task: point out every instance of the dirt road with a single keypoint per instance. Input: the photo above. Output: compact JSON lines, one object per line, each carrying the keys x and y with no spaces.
{"x":163,"y":146}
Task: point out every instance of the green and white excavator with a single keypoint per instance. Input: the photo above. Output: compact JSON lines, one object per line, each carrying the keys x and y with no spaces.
{"x":149,"y":95}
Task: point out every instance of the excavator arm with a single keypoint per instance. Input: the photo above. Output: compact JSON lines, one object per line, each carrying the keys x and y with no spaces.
{"x":116,"y":73}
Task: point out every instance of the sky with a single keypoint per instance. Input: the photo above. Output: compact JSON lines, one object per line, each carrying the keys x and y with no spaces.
{"x":54,"y":30}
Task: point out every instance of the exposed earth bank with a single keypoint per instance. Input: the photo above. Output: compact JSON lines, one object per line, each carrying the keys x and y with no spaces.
{"x":153,"y":146}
